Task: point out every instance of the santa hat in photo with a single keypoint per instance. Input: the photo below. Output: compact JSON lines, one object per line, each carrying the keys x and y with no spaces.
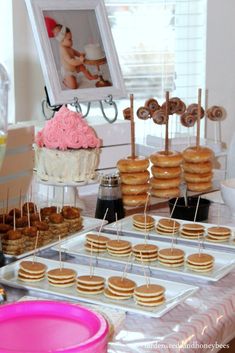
{"x":50,"y":25}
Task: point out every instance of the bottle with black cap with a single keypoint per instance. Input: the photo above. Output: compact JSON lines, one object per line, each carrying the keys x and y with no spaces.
{"x":109,"y":197}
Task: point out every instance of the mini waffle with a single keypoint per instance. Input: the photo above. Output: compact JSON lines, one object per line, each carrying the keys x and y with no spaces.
{"x":171,"y":257}
{"x":149,"y":295}
{"x":143,"y":222}
{"x":192,"y":230}
{"x":145,"y":252}
{"x":218,"y":234}
{"x":31,"y":271}
{"x":96,"y":242}
{"x":200,"y":262}
{"x":90,"y":284}
{"x":119,"y":247}
{"x":167,"y":226}
{"x":119,"y":288}
{"x":61,"y":277}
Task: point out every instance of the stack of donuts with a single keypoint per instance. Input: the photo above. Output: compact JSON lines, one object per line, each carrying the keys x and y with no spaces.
{"x":134,"y":176}
{"x":166,"y":171}
{"x":197,"y":167}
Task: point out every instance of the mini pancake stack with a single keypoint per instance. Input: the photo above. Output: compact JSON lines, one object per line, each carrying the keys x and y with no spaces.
{"x":134,"y":176}
{"x":120,"y":248}
{"x":197,"y":166}
{"x":167,"y":226}
{"x":200,"y":262}
{"x":72,"y":218}
{"x":192,"y":230}
{"x":166,"y":171}
{"x":171,"y":257}
{"x":90,"y":284}
{"x":119,"y":288}
{"x":44,"y":232}
{"x":145,"y":252}
{"x":31,"y":271}
{"x":58,"y":226}
{"x":13,"y":242}
{"x":96,"y":242}
{"x":218,"y":234}
{"x":149,"y":295}
{"x":143,"y":222}
{"x":30,"y":234}
{"x":61,"y":277}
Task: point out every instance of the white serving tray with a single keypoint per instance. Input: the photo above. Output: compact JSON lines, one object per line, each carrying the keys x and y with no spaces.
{"x":224,"y":262}
{"x":88,"y":224}
{"x":175,"y":292}
{"x":126,"y":228}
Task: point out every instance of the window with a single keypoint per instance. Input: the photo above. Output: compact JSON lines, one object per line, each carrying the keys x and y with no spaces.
{"x":161,"y":47}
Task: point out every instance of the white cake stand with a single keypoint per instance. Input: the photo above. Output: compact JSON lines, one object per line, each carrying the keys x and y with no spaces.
{"x":60,"y":193}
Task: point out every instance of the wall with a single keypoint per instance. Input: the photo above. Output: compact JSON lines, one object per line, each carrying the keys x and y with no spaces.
{"x":220,"y":72}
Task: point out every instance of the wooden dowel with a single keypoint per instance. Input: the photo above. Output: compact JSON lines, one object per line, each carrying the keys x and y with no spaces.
{"x":167,"y":124}
{"x":132,"y":127}
{"x":198,"y":116}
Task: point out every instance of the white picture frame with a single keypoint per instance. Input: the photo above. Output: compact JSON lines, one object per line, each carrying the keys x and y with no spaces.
{"x":89,"y":28}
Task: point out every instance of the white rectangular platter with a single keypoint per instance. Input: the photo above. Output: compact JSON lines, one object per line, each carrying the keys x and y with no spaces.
{"x":126,"y":228}
{"x":88,"y":224}
{"x":223,"y":264}
{"x":175,"y":292}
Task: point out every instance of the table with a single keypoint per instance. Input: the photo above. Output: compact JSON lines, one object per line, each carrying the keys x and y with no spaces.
{"x":204,"y":322}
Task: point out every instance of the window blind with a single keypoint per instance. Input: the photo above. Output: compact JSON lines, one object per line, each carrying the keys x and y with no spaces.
{"x":161,"y":46}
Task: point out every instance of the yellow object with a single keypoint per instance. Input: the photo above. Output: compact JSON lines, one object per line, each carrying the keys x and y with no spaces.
{"x":3,"y":139}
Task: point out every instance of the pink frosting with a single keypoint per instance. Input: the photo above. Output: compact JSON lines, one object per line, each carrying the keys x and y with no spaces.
{"x":67,"y":130}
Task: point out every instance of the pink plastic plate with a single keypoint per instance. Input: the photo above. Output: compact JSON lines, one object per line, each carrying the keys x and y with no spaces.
{"x":50,"y":326}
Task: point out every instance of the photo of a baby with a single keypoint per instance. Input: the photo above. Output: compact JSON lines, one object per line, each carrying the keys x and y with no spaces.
{"x":78,"y":52}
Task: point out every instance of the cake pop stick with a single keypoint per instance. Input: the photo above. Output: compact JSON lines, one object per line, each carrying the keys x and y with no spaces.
{"x":175,"y":203}
{"x":125,"y":268}
{"x":14,"y":219}
{"x":167,"y":124}
{"x":62,"y":197}
{"x":102,"y":224}
{"x":35,"y":247}
{"x":145,"y":274}
{"x":218,"y":215}
{"x":117,"y":230}
{"x":132,"y":126}
{"x":198,"y":117}
{"x":60,"y":257}
{"x":28,"y":214}
{"x":172,"y":240}
{"x":91,"y":262}
{"x":199,"y":246}
{"x":198,"y":202}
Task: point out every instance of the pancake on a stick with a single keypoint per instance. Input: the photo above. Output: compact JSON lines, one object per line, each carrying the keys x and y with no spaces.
{"x":31,"y":271}
{"x":119,"y":288}
{"x":149,"y":295}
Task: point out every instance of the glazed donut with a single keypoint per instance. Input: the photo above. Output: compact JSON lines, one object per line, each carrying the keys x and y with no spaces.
{"x":188,"y":120}
{"x":199,"y":187}
{"x":197,"y":154}
{"x":171,"y":107}
{"x":135,"y":178}
{"x":215,"y":113}
{"x":198,"y":168}
{"x":193,"y":109}
{"x":29,"y":206}
{"x":166,"y":173}
{"x":132,"y":165}
{"x":159,"y":117}
{"x":127,"y":113}
{"x":134,"y":189}
{"x":134,"y":200}
{"x":152,"y":105}
{"x":176,"y":103}
{"x":161,"y":159}
{"x":181,"y":109}
{"x":143,"y":113}
{"x":164,"y":183}
{"x":167,"y":193}
{"x":197,"y":178}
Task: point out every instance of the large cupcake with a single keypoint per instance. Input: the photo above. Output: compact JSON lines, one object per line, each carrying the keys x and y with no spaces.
{"x":67,"y":149}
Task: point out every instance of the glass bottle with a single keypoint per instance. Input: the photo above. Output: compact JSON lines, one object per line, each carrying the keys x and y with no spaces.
{"x":109,"y":197}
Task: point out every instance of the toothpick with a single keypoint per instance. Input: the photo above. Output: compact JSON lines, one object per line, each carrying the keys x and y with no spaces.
{"x":39,"y":214}
{"x":91,"y":258}
{"x":199,"y":246}
{"x":198,"y":201}
{"x":172,"y":211}
{"x":146,"y":204}
{"x":20,"y":200}
{"x":102,"y":224}
{"x":35,"y":247}
{"x":218,"y":215}
{"x":125,"y":268}
{"x":14,"y":219}
{"x":60,"y":258}
{"x":172,"y":240}
{"x":62,"y":197}
{"x":145,"y":274}
{"x":28,"y":215}
{"x":118,"y":235}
